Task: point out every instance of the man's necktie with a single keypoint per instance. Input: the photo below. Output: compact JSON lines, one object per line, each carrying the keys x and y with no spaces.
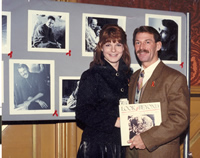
{"x":139,"y":86}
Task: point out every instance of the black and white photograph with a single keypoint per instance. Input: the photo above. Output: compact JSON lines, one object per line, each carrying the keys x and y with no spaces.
{"x":31,"y":86}
{"x":169,"y":28}
{"x":6,"y":32}
{"x":68,"y":94}
{"x":92,"y":25}
{"x":137,"y":118}
{"x":48,"y":31}
{"x":139,"y":124}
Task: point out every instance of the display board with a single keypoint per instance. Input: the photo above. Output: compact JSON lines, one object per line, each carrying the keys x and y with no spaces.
{"x":56,"y":67}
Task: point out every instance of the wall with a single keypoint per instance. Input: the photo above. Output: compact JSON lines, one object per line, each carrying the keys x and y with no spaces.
{"x":56,"y":64}
{"x":191,"y":6}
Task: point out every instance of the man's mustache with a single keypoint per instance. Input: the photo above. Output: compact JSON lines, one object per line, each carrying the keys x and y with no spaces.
{"x":142,"y":50}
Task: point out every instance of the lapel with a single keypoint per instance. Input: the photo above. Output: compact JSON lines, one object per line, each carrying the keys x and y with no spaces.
{"x":152,"y":83}
{"x":132,"y":86}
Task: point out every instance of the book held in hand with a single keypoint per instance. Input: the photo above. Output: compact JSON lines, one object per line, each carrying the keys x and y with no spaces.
{"x":137,"y":118}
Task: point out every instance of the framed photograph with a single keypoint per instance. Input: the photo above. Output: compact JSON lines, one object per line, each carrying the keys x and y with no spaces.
{"x":31,"y":86}
{"x":6,"y":32}
{"x":48,"y":31}
{"x":91,"y":26}
{"x":169,"y":28}
{"x":68,"y":87}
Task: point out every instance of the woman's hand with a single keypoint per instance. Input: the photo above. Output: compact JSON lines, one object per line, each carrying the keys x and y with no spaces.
{"x":117,"y":123}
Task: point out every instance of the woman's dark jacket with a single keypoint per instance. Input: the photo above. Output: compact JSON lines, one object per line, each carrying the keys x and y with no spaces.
{"x":97,"y":109}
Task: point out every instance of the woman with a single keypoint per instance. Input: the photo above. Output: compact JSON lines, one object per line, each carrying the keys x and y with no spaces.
{"x":99,"y":92}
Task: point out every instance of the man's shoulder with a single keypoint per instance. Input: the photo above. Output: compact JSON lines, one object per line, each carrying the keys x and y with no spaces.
{"x":171,"y":70}
{"x":35,"y":76}
{"x":135,"y":73}
{"x":134,"y":76}
{"x":167,"y":73}
{"x":41,"y":27}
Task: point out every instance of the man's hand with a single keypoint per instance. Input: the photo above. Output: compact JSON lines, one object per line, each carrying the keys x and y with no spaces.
{"x":42,"y":104}
{"x":23,"y":106}
{"x":26,"y":104}
{"x":137,"y":142}
{"x":58,"y":45}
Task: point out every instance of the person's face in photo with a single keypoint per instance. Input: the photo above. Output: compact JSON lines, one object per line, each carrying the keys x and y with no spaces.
{"x":23,"y":72}
{"x":50,"y":23}
{"x":164,"y":33}
{"x":113,"y":52}
{"x":93,"y":24}
{"x":146,"y":48}
{"x":98,"y":32}
{"x":140,"y":125}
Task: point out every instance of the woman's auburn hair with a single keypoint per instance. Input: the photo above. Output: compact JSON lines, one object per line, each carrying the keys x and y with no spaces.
{"x":114,"y":33}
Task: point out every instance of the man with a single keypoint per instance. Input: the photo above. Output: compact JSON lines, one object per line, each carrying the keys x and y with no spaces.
{"x":91,"y":37}
{"x":169,"y":38}
{"x":30,"y":91}
{"x":160,"y":84}
{"x":43,"y":36}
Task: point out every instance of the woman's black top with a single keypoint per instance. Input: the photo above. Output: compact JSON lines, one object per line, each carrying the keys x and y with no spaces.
{"x":97,"y":109}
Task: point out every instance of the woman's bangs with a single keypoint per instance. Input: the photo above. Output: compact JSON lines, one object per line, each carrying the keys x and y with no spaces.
{"x":111,"y":38}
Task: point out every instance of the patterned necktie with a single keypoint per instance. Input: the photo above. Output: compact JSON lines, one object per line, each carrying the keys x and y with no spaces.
{"x":139,"y":87}
{"x":140,"y":80}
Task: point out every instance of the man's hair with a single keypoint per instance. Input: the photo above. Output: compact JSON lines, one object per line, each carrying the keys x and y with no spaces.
{"x":24,"y":66}
{"x":51,"y":17}
{"x":91,"y":20}
{"x":147,"y":29}
{"x":171,"y":25}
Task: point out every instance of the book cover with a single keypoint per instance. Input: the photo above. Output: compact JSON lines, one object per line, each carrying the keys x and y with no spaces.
{"x":137,"y":118}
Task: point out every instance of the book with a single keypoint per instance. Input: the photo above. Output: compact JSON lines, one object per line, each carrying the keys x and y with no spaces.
{"x":137,"y":118}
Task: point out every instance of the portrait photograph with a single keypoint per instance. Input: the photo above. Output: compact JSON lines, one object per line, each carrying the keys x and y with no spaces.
{"x":169,"y":28}
{"x":139,"y":124}
{"x":68,"y":87}
{"x":31,"y":86}
{"x":48,"y":31}
{"x":91,"y":27}
{"x":6,"y":32}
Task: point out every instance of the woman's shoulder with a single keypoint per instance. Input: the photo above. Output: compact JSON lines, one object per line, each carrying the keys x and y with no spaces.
{"x":89,"y":73}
